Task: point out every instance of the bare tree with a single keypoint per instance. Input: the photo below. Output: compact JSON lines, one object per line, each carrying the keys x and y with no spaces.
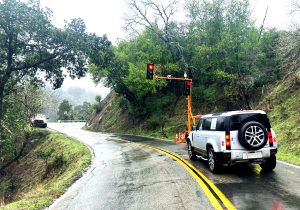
{"x":289,"y":46}
{"x":263,"y":24}
{"x":158,"y":18}
{"x":295,"y":14}
{"x":295,"y":6}
{"x":148,"y":14}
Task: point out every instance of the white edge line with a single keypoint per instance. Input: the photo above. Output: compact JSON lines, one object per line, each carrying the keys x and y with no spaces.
{"x":285,"y":163}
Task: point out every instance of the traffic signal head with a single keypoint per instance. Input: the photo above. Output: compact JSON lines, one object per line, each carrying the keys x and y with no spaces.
{"x":150,"y":70}
{"x":187,"y":88}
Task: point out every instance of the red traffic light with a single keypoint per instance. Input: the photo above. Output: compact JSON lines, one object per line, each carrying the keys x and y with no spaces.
{"x":150,"y":70}
{"x":187,"y":88}
{"x":150,"y":66}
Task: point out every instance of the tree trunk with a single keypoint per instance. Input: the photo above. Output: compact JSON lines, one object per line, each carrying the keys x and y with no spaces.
{"x":1,"y":108}
{"x":247,"y":101}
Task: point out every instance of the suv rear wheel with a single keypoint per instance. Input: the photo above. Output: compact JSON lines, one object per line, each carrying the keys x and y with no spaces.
{"x":191,"y":152}
{"x":253,"y":135}
{"x":214,"y":165}
{"x":270,"y":164}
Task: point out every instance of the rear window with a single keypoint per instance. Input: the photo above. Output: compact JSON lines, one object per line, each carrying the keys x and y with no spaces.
{"x":238,"y":120}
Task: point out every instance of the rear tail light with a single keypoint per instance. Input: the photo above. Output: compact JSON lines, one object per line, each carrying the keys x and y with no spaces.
{"x":270,"y":139}
{"x":227,"y":141}
{"x":227,"y":155}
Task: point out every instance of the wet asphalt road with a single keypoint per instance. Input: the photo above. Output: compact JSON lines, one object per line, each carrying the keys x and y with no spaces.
{"x":128,"y":176}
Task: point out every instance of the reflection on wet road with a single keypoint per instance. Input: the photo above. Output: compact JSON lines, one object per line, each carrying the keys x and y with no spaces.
{"x":127,"y":176}
{"x":247,"y":186}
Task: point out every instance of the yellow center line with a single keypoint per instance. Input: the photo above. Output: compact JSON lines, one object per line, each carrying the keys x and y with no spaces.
{"x":222,"y":197}
{"x":191,"y":169}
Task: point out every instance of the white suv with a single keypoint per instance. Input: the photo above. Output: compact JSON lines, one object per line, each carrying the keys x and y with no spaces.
{"x":234,"y":137}
{"x":39,"y":120}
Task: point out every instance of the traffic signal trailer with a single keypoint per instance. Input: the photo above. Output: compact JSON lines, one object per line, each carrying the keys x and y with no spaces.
{"x":188,"y":93}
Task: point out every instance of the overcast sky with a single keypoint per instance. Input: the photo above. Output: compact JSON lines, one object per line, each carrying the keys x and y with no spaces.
{"x":106,"y":17}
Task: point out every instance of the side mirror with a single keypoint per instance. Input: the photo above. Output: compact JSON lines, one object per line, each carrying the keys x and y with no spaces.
{"x":193,"y":127}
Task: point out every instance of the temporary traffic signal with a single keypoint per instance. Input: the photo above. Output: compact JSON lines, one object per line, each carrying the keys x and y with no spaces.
{"x":187,"y":88}
{"x":150,"y":70}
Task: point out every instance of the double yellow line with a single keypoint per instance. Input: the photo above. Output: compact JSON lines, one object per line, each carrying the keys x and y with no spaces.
{"x":215,"y":196}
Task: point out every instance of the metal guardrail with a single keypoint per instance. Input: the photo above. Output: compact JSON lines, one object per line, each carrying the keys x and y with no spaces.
{"x":70,"y":121}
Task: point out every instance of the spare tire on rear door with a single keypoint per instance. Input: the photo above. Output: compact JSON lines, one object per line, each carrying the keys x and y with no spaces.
{"x":253,"y":135}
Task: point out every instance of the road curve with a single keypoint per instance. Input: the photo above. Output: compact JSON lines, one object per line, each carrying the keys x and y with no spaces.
{"x":128,"y":176}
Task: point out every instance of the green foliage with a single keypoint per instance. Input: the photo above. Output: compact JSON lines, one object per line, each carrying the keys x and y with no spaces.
{"x":219,"y":46}
{"x":122,"y":103}
{"x":98,"y":99}
{"x":283,"y":103}
{"x":25,"y":184}
{"x":65,"y":110}
{"x":97,"y":107}
{"x":13,"y":133}
{"x":31,"y":99}
{"x":225,"y":51}
{"x":7,"y":187}
{"x":41,"y":46}
{"x":232,"y":62}
{"x":58,"y":161}
{"x":153,"y":121}
{"x":82,"y":112}
{"x":45,"y":155}
{"x":138,"y":84}
{"x":30,"y":46}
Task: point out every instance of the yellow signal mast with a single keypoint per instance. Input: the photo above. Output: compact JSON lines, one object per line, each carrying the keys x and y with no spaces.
{"x":188,"y":92}
{"x":189,"y":99}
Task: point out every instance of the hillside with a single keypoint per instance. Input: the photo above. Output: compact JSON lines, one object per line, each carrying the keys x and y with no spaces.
{"x":50,"y":164}
{"x":116,"y":118}
{"x":282,"y":104}
{"x":283,"y":107}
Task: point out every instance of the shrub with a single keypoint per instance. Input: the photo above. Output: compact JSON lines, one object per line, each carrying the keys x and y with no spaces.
{"x":153,"y":121}
{"x":97,"y":108}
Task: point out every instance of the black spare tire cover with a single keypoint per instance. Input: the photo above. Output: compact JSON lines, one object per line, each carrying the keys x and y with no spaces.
{"x":253,"y":135}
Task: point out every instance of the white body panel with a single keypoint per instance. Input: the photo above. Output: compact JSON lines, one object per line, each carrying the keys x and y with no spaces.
{"x":200,"y":139}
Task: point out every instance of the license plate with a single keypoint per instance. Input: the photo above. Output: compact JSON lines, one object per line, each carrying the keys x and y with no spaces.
{"x":252,"y":155}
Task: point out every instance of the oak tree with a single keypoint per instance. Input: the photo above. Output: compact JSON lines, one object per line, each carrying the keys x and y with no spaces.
{"x":32,"y":48}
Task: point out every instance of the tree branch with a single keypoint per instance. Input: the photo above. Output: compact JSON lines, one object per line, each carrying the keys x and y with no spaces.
{"x":263,"y":23}
{"x":36,"y":64}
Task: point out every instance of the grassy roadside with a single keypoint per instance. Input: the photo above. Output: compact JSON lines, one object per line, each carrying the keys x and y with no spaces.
{"x":285,"y":119}
{"x":50,"y":166}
